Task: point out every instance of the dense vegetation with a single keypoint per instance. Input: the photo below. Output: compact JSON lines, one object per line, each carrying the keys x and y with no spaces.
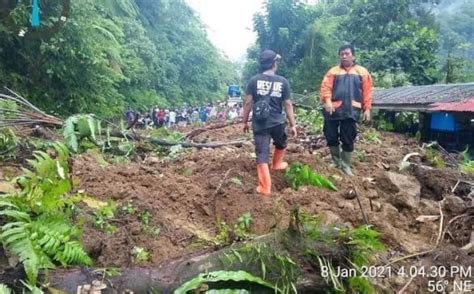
{"x":101,"y":56}
{"x":399,"y":41}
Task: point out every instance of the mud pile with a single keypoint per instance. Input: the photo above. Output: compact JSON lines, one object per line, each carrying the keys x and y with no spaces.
{"x":187,"y":196}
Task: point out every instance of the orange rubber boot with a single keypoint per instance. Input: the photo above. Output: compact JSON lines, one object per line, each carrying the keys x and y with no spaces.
{"x":264,"y":179}
{"x":278,"y":163}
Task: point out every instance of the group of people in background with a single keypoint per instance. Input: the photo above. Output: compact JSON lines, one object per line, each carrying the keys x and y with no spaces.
{"x":188,"y":115}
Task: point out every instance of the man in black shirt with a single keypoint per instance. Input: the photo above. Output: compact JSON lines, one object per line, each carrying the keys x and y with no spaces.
{"x":276,"y":91}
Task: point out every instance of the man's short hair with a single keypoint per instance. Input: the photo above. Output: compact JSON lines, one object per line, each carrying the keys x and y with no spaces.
{"x":347,"y":46}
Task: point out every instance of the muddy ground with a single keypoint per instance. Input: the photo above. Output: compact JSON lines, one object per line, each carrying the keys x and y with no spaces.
{"x":186,"y":196}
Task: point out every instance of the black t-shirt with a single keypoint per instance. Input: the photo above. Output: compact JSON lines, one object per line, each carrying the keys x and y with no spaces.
{"x":259,"y":86}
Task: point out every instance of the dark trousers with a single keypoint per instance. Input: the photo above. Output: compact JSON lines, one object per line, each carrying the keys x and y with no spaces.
{"x":262,"y":141}
{"x":344,"y":131}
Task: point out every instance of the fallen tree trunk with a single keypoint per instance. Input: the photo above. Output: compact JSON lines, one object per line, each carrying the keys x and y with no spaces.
{"x":169,"y":276}
{"x":237,"y":143}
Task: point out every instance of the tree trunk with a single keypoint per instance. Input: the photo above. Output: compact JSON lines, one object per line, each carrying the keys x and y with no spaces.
{"x":237,"y":143}
{"x":169,"y":276}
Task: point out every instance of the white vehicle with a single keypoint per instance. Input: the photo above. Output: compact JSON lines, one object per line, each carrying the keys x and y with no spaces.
{"x":233,"y":96}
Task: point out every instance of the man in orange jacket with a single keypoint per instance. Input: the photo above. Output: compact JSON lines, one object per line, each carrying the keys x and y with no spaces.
{"x":346,"y":90}
{"x":267,"y":93}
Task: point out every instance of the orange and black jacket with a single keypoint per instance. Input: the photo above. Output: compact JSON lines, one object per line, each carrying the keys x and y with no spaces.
{"x":350,"y":91}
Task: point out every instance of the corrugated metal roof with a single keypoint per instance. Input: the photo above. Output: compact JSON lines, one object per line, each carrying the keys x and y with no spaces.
{"x":424,"y":95}
{"x":464,"y":106}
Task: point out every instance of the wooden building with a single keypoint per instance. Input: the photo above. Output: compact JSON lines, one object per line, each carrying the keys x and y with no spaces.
{"x":446,"y":111}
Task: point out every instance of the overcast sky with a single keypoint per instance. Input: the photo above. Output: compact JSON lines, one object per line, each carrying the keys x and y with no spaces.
{"x":229,"y":23}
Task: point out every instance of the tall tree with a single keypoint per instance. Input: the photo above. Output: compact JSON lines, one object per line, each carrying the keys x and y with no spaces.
{"x":394,"y":35}
{"x":456,"y":20}
{"x":108,"y":54}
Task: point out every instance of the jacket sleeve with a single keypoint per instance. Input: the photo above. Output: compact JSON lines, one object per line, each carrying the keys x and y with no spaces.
{"x":327,"y":87}
{"x":367,"y":90}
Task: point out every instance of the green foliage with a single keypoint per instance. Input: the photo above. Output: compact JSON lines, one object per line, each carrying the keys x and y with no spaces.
{"x":221,"y":276}
{"x":387,"y":79}
{"x":32,"y":288}
{"x":108,"y":271}
{"x":363,"y":243}
{"x":110,"y":54}
{"x":455,"y":70}
{"x":242,"y":227}
{"x":312,"y":119}
{"x":44,"y":187}
{"x":140,"y":254}
{"x":223,"y":233}
{"x":466,"y":165}
{"x":4,"y":289}
{"x":77,"y":127}
{"x":8,"y":141}
{"x":306,"y":37}
{"x":434,"y":158}
{"x":405,"y":120}
{"x":103,"y":214}
{"x":227,"y":291}
{"x":372,"y":136}
{"x":360,"y":155}
{"x":360,"y":285}
{"x":309,"y":35}
{"x":381,"y":122}
{"x":153,"y":231}
{"x":313,"y":230}
{"x":8,"y":109}
{"x":456,"y":52}
{"x":186,"y":172}
{"x":409,"y":40}
{"x":236,"y":181}
{"x":330,"y":276}
{"x":244,"y":221}
{"x":299,"y":174}
{"x":270,"y":262}
{"x":39,"y":228}
{"x":99,"y":157}
{"x":128,"y":208}
{"x":145,"y":217}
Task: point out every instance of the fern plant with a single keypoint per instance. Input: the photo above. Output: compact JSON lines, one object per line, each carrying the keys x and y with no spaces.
{"x":44,"y":187}
{"x":38,"y":241}
{"x":300,"y":174}
{"x":38,"y":226}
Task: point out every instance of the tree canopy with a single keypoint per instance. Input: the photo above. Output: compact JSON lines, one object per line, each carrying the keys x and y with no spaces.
{"x":102,"y":56}
{"x":399,"y":41}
